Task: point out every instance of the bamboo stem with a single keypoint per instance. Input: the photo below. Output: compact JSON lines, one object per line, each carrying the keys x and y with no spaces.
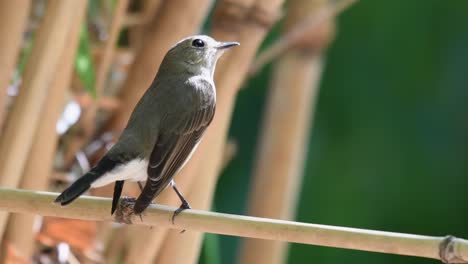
{"x":144,"y":17}
{"x":40,"y":71}
{"x":39,"y":167}
{"x":280,"y":159}
{"x":13,"y":18}
{"x":190,"y":241}
{"x":138,"y":23}
{"x":298,"y":32}
{"x":88,"y":120}
{"x":449,"y":249}
{"x":110,"y":45}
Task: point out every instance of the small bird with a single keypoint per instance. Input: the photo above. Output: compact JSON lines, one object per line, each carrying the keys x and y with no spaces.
{"x":165,"y":127}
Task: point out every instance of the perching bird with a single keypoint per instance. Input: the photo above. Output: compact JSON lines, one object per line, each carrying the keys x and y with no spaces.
{"x":165,"y":127}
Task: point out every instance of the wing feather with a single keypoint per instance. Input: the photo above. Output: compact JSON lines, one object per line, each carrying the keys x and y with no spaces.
{"x":171,"y":151}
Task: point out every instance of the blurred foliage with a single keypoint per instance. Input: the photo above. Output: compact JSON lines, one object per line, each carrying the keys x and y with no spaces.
{"x":84,"y":63}
{"x":389,"y":141}
{"x":24,"y":54}
{"x":211,"y":253}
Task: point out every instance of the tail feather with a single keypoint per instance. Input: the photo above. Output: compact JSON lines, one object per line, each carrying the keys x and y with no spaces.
{"x":84,"y":183}
{"x":76,"y":189}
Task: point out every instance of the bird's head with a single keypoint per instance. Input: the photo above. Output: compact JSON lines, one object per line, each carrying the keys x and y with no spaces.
{"x":196,"y":54}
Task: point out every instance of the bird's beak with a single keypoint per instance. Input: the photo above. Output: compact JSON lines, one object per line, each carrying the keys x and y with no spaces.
{"x":226,"y":45}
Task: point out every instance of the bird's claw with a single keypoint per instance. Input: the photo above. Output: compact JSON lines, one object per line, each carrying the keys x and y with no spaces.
{"x":185,"y":205}
{"x":123,"y":213}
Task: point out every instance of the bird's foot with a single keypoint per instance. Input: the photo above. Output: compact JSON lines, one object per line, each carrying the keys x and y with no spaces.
{"x":185,"y":205}
{"x":124,"y":211}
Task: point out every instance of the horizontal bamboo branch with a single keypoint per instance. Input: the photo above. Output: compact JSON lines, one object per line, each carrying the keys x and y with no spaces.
{"x":448,"y":249}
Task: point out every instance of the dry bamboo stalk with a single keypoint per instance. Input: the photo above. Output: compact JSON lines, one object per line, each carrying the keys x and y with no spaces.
{"x":114,"y":248}
{"x":295,"y":34}
{"x":246,"y":22}
{"x":39,"y":167}
{"x":139,"y":26}
{"x":24,"y":117}
{"x":189,"y":241}
{"x":175,"y":20}
{"x":144,"y":17}
{"x":155,"y":237}
{"x":110,"y":45}
{"x":88,"y":120}
{"x":13,"y":18}
{"x":448,"y":249}
{"x":280,"y":158}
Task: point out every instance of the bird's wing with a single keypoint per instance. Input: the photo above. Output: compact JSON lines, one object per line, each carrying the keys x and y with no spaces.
{"x":171,"y":151}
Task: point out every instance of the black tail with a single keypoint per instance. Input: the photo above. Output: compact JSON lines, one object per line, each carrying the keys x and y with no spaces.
{"x":84,"y":183}
{"x":77,"y":188}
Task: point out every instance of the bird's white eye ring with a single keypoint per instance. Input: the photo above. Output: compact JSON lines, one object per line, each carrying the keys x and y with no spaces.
{"x":198,"y":43}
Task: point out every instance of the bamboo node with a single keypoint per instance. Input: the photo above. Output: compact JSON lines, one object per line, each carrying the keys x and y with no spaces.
{"x":448,"y":252}
{"x":263,"y":18}
{"x":231,"y":15}
{"x":316,"y":39}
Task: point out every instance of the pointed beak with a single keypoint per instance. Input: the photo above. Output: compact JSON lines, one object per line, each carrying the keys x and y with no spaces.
{"x":226,"y":45}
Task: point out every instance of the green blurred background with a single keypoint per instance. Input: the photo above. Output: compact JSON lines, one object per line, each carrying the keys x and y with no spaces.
{"x":389,"y":143}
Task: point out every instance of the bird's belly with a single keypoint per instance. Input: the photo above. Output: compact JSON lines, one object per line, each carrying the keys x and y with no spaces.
{"x":134,"y":170}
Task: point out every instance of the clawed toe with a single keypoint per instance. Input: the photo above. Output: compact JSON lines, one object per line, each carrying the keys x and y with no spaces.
{"x":185,"y":205}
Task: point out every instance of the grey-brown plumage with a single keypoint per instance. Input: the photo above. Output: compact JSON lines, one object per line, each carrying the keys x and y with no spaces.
{"x":165,"y":127}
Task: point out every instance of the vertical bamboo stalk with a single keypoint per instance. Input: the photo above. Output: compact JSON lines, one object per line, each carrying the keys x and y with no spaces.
{"x":24,"y":117}
{"x":88,"y":120}
{"x":137,"y":32}
{"x":185,"y":248}
{"x":175,"y":20}
{"x":282,"y":148}
{"x":247,"y":22}
{"x":38,"y":169}
{"x":110,"y":45}
{"x":13,"y":18}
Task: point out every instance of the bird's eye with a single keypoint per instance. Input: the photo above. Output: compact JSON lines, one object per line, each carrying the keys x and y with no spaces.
{"x":198,"y":43}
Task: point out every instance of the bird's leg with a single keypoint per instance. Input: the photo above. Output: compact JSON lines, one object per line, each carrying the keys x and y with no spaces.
{"x":141,"y":189}
{"x":183,"y":206}
{"x":140,"y":185}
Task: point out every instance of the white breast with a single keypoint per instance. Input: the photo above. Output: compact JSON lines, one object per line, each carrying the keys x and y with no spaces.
{"x":134,"y":170}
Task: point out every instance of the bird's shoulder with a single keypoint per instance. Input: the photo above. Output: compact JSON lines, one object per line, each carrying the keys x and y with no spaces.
{"x":200,"y":92}
{"x":196,"y":111}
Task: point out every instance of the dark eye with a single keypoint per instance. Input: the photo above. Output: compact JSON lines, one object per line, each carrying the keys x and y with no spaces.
{"x":198,"y":43}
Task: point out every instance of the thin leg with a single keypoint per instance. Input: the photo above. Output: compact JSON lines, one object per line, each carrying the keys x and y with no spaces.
{"x":140,"y":185}
{"x":141,"y":189}
{"x":183,"y":206}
